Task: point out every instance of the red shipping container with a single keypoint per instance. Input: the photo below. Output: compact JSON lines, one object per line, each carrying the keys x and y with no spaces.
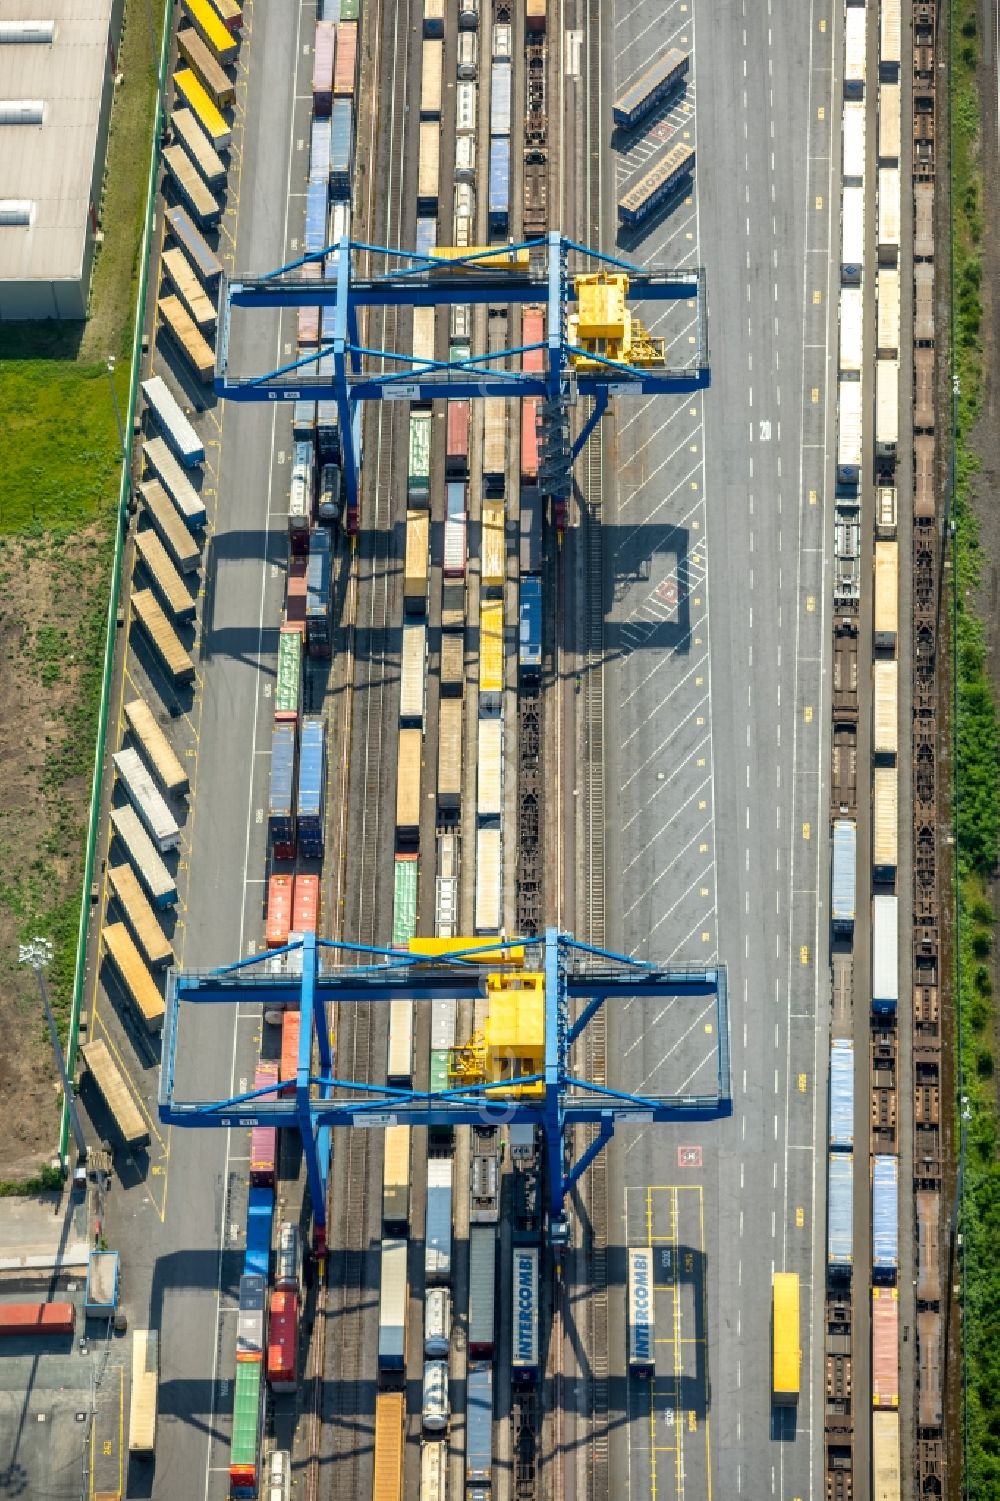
{"x":532,"y":332}
{"x":264,"y":1139}
{"x":323,"y":53}
{"x":529,"y":438}
{"x":457,"y":455}
{"x":305,"y":907}
{"x":347,"y":58}
{"x":885,"y":1347}
{"x":290,"y":1030}
{"x":37,"y":1318}
{"x":283,"y":1341}
{"x":295,"y":591}
{"x":279,"y":911}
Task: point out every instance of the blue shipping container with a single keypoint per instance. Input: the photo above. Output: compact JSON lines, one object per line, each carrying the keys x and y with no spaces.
{"x":315,"y":236}
{"x":499,"y":184}
{"x":312,"y":786}
{"x":341,"y":148}
{"x":840,"y":1218}
{"x":426,"y":238}
{"x":318,"y":576}
{"x":531,"y":625}
{"x":319,"y":151}
{"x":260,"y":1216}
{"x":500,"y":99}
{"x":328,"y":10}
{"x":844,"y":880}
{"x":479,"y":1424}
{"x":885,"y":1217}
{"x":841,"y":1094}
{"x":304,"y":421}
{"x":281,"y":822}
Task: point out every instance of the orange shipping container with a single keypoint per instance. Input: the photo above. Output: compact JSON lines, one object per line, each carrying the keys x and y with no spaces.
{"x":529,"y":438}
{"x":885,"y":1347}
{"x":282,"y":1341}
{"x":279,"y":911}
{"x":532,"y":332}
{"x":37,"y":1318}
{"x":347,"y":57}
{"x":290,"y":1030}
{"x":308,"y":325}
{"x":305,"y":905}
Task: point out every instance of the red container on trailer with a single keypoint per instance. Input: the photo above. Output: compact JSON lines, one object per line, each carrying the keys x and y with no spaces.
{"x":295,"y":591}
{"x":263,"y":1139}
{"x":279,"y":911}
{"x":37,"y":1318}
{"x":347,"y":58}
{"x":532,"y":332}
{"x":283,"y":1341}
{"x":323,"y":53}
{"x":305,"y":905}
{"x":885,"y":1347}
{"x":457,"y":451}
{"x":529,"y":438}
{"x":290,"y":1030}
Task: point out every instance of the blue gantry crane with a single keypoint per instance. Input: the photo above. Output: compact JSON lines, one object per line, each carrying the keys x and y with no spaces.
{"x":571,"y":982}
{"x":594,"y":345}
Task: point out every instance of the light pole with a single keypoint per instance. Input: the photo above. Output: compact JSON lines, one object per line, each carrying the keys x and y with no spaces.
{"x":38,"y":953}
{"x":109,"y":366}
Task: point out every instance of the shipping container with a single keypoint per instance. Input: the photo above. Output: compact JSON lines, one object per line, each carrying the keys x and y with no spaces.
{"x":208,"y":72}
{"x":389,"y":1439}
{"x":457,"y":446}
{"x":885,"y":1217}
{"x":482,"y":1291}
{"x":885,"y":1347}
{"x":885,"y":819}
{"x":786,"y":1351}
{"x":849,"y":433}
{"x":319,"y":151}
{"x":851,"y":331}
{"x":319,"y":581}
{"x":449,"y":778}
{"x":439,"y":1076}
{"x":427,"y":167}
{"x":154,"y":875}
{"x":886,"y":596}
{"x":500,"y":83}
{"x":288,"y":1261}
{"x":853,"y":141}
{"x":468,"y":54}
{"x":435,"y":1409}
{"x":665,"y":182}
{"x":341,"y":149}
{"x":244,"y":1446}
{"x":281,"y":800}
{"x":291,"y":1029}
{"x":499,"y":185}
{"x":283,"y":1342}
{"x":489,"y":909}
{"x":423,"y":337}
{"x":392,"y":1309}
{"x":445,"y":921}
{"x":433,"y":17}
{"x":188,"y":337}
{"x":437,"y":1228}
{"x":115,"y":1093}
{"x":886,"y":413}
{"x":888,"y":215}
{"x":181,"y":276}
{"x":491,"y":653}
{"x":198,"y":99}
{"x":889,"y":124}
{"x":887,"y":337}
{"x":230,"y":15}
{"x":844,"y":878}
{"x":288,"y":675}
{"x":529,"y":439}
{"x":310,"y":802}
{"x":524,"y":1354}
{"x":408,"y":763}
{"x":466,"y":108}
{"x":172,"y":422}
{"x":412,"y":673}
{"x":155,"y":747}
{"x":175,"y":661}
{"x":452,"y":664}
{"x":535,"y":15}
{"x":885,"y":741}
{"x":305,"y":904}
{"x":346,"y":66}
{"x":144,"y":1389}
{"x":478,"y":1427}
{"x":840,"y":1215}
{"x":175,"y":483}
{"x":279,"y":911}
{"x":139,"y":915}
{"x":206,"y":21}
{"x":431,"y":78}
{"x":841,"y":1095}
{"x":662,"y":80}
{"x":437,"y":1318}
{"x":199,"y":148}
{"x":183,"y":548}
{"x":455,"y":530}
{"x":396,"y":1180}
{"x":530,"y":622}
{"x":250,"y":1317}
{"x":295,"y":593}
{"x":502,"y":42}
{"x":146,"y":799}
{"x":641,"y":1309}
{"x":399,"y":1065}
{"x":885,"y":954}
{"x":417,"y":559}
{"x":890,"y":38}
{"x":855,"y":52}
{"x":140,"y":987}
{"x":324,"y":49}
{"x":885,"y":1456}
{"x":885,"y":512}
{"x":493,"y":547}
{"x":852,"y":235}
{"x":404,"y":907}
{"x":260,"y":1219}
{"x":531,"y":530}
{"x":489,"y":768}
{"x":264,"y":1139}
{"x":453,"y":605}
{"x":418,"y":474}
{"x":425,"y":239}
{"x":307,"y":318}
{"x":201,"y":256}
{"x":494,"y":438}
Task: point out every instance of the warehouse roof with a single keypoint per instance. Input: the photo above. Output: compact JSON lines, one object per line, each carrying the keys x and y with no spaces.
{"x":51,"y":165}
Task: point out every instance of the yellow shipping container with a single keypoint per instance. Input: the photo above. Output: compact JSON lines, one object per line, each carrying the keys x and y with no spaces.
{"x":885,"y":819}
{"x":493,"y":549}
{"x":388,"y":1481}
{"x":491,"y":647}
{"x":415,"y":569}
{"x":786,"y":1352}
{"x":141,"y":917}
{"x":134,"y":975}
{"x":512,"y":956}
{"x":885,"y":1456}
{"x":114,"y":1092}
{"x":886,"y":685}
{"x":408,"y":784}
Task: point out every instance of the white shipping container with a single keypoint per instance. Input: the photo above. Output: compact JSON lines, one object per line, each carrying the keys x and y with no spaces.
{"x":449,"y":787}
{"x":501,"y":42}
{"x":147,"y":800}
{"x":443,"y":1013}
{"x":889,"y":124}
{"x":888,"y":215}
{"x":488,"y":882}
{"x":885,"y":952}
{"x":468,"y":54}
{"x":427,"y":165}
{"x":431,"y":78}
{"x":885,"y":840}
{"x":489,"y":801}
{"x":423,"y":333}
{"x":465,"y":201}
{"x":855,"y":51}
{"x":854,"y":141}
{"x":412,"y":672}
{"x":849,"y":432}
{"x":886,"y":407}
{"x":524,"y":1355}
{"x":433,"y":1472}
{"x":852,"y":235}
{"x":399,"y":1069}
{"x":494,"y":435}
{"x":465,"y":157}
{"x":446,"y":907}
{"x":465,"y":108}
{"x":437,"y":1226}
{"x":392,"y":1307}
{"x":851,"y":330}
{"x":888,"y":310}
{"x":433,"y":17}
{"x":885,"y":698}
{"x":641,"y":1309}
{"x":143,"y":1399}
{"x":455,"y":546}
{"x":890,"y":33}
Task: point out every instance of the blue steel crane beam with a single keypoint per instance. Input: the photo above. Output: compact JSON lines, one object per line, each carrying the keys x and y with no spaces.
{"x":574,"y":973}
{"x":437,"y":289}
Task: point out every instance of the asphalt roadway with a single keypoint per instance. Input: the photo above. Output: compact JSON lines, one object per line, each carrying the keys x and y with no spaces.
{"x":716,"y":642}
{"x":181,"y":1227}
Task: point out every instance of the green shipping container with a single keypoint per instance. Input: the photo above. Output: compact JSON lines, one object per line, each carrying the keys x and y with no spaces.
{"x":418,"y":487}
{"x":439,"y":1069}
{"x":404,"y":904}
{"x":288,"y":679}
{"x":349,"y":10}
{"x":244,"y":1450}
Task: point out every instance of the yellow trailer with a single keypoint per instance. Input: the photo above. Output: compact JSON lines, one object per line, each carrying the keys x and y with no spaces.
{"x":134,"y":975}
{"x":176,"y":661}
{"x":140,"y":916}
{"x":786,"y":1351}
{"x":188,"y":337}
{"x":213,"y":78}
{"x":114,"y":1092}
